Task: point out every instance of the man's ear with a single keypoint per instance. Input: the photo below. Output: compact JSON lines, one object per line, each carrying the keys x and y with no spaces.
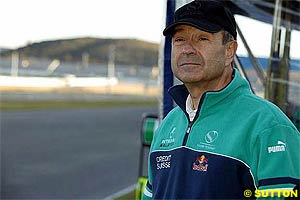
{"x":230,"y":50}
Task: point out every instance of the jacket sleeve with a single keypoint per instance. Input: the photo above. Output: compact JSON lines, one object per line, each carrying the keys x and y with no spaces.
{"x":277,"y":160}
{"x":147,"y":192}
{"x":148,"y":187}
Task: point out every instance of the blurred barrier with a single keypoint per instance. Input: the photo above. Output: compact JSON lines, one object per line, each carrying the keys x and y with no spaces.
{"x":74,"y":88}
{"x":33,"y":75}
{"x":56,"y":82}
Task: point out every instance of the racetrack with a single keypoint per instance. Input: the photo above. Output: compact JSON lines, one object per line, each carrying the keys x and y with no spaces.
{"x":86,"y":153}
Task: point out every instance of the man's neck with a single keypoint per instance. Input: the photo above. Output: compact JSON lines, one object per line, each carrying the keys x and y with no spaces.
{"x":196,"y":90}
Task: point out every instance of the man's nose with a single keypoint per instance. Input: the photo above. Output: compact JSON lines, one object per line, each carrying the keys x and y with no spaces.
{"x":188,"y":49}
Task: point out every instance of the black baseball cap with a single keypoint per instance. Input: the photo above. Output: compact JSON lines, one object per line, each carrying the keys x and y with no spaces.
{"x":207,"y":15}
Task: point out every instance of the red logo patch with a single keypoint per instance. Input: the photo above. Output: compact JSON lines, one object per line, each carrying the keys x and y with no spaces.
{"x":201,"y":164}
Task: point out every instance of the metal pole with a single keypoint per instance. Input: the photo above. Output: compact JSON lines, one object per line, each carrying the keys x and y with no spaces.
{"x":274,"y":54}
{"x":260,"y":72}
{"x":85,"y":60}
{"x":111,"y":61}
{"x":14,"y":63}
{"x":281,"y":92}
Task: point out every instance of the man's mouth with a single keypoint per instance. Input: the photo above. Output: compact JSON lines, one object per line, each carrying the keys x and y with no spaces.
{"x":188,"y":63}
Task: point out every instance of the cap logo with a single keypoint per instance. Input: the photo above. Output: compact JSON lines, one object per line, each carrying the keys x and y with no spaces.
{"x":194,"y":6}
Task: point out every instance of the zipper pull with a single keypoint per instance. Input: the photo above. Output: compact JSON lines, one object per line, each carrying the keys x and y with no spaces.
{"x":188,"y":129}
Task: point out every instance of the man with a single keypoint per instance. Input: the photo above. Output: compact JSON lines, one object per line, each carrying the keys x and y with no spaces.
{"x":221,"y":141}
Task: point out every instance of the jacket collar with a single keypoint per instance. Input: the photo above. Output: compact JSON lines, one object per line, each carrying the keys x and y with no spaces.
{"x":179,"y":93}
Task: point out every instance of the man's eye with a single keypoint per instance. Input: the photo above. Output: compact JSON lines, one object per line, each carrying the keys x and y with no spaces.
{"x":202,"y":39}
{"x":178,"y":39}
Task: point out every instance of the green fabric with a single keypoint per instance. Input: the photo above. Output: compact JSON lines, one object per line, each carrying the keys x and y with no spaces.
{"x":248,"y":128}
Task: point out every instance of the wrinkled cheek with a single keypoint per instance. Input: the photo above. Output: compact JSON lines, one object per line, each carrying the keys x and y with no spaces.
{"x":173,"y":58}
{"x":174,"y":63}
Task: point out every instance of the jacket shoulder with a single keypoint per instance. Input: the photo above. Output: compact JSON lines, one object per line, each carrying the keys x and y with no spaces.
{"x":265,"y":111}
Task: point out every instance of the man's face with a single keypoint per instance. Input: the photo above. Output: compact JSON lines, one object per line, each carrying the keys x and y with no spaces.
{"x":197,"y":55}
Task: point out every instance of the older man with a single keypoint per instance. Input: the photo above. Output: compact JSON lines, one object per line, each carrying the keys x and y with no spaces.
{"x":221,"y":141}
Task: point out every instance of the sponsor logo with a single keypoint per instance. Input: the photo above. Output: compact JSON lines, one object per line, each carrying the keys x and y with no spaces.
{"x":280,"y":147}
{"x":208,"y":141}
{"x":163,"y":162}
{"x":201,"y":164}
{"x":211,"y":136}
{"x":172,"y":132}
{"x":169,"y":141}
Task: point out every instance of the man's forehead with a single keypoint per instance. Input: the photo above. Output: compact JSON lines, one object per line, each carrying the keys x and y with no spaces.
{"x":188,"y":28}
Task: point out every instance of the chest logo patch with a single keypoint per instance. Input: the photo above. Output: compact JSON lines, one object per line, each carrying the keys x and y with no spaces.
{"x":208,"y":140}
{"x":169,"y":141}
{"x":201,"y":164}
{"x":211,"y":136}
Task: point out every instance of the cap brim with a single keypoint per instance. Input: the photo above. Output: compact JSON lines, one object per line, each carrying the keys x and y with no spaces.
{"x":204,"y":26}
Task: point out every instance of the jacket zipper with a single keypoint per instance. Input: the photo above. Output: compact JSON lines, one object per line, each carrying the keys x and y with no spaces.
{"x":189,"y":128}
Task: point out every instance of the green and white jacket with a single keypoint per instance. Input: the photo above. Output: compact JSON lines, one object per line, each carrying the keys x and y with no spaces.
{"x":236,"y":142}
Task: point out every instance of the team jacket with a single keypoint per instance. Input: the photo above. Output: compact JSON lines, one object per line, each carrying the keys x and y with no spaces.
{"x":237,"y":141}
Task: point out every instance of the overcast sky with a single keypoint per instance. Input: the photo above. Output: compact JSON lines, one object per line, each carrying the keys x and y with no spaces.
{"x":28,"y":21}
{"x":24,"y":21}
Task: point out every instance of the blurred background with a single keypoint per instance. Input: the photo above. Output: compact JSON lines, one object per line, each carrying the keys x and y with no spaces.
{"x":76,"y":78}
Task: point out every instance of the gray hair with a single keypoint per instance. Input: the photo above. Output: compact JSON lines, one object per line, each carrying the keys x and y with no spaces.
{"x":227,"y":37}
